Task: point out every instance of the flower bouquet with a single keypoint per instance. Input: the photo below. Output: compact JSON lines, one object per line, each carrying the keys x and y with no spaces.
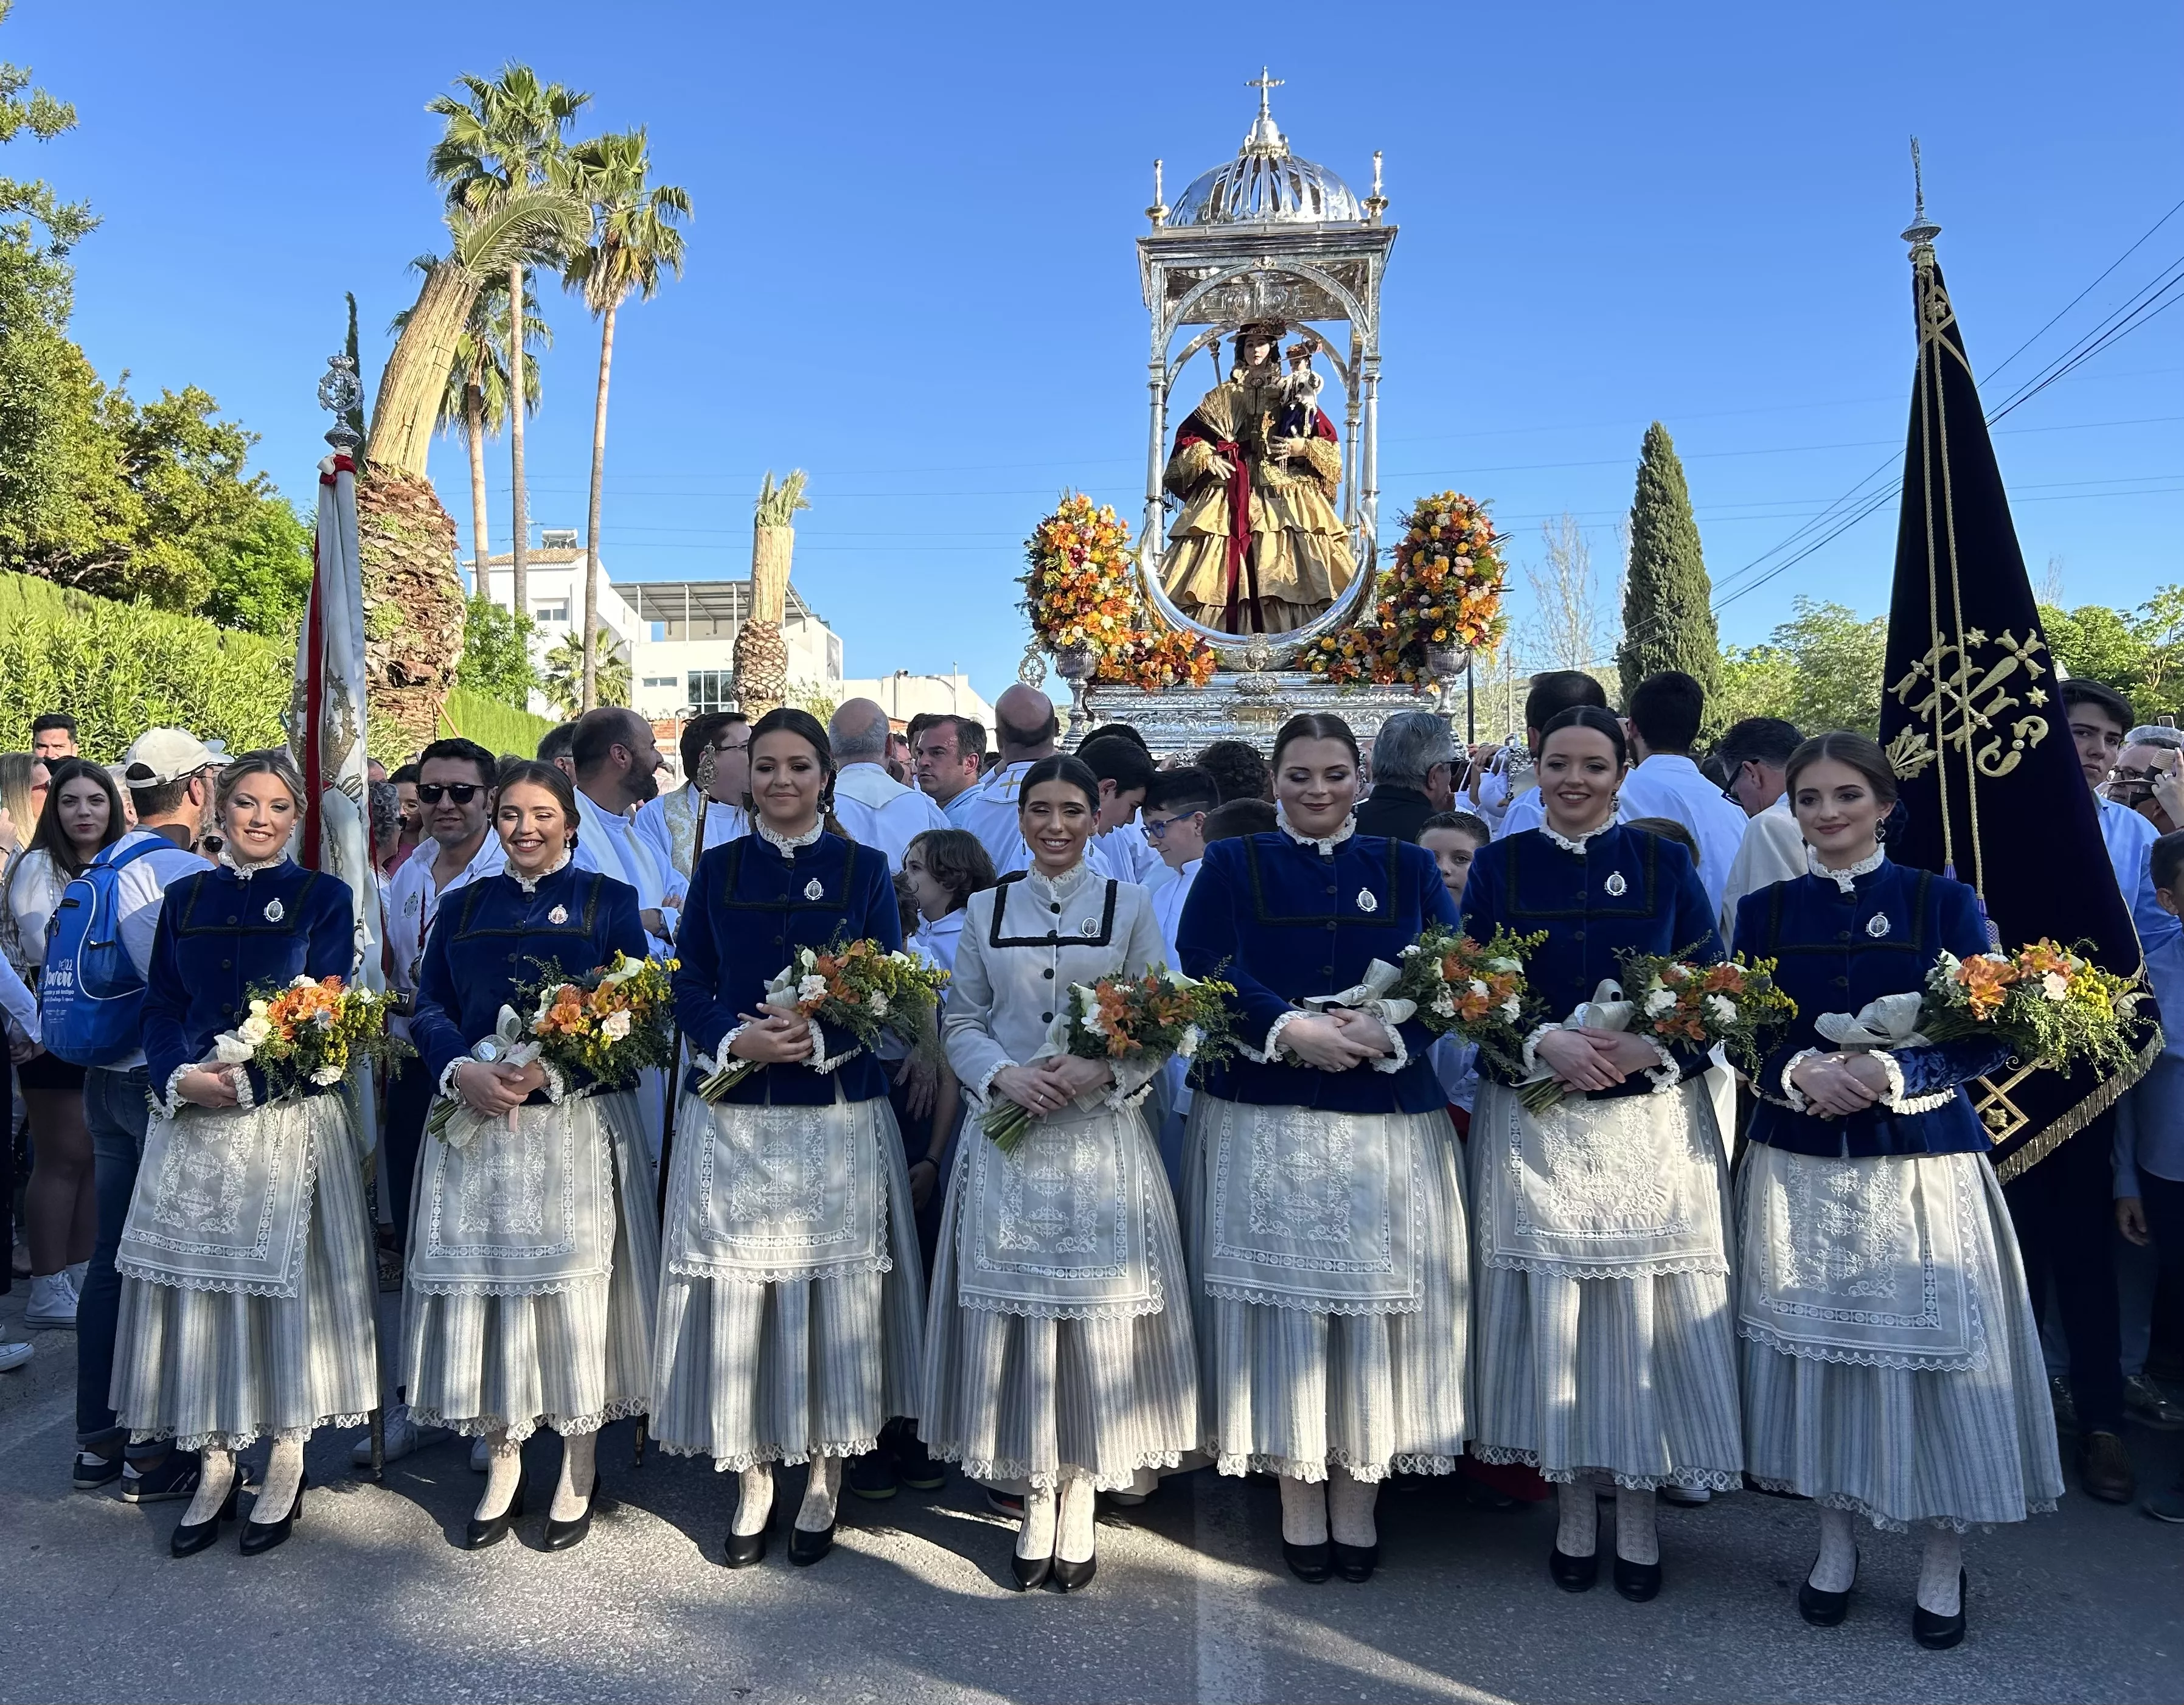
{"x":1140,"y":1021}
{"x":1476,"y":992}
{"x":861,"y":987}
{"x":2043,"y":1001}
{"x":1444,"y":589}
{"x":310,"y":1034}
{"x":610,"y":1024}
{"x":1732,"y":1004}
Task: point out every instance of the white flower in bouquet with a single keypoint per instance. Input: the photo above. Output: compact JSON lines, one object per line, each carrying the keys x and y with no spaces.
{"x":879,"y":1004}
{"x":615,"y":1026}
{"x":1478,"y":988}
{"x":257,"y":1026}
{"x":1444,"y":1002}
{"x":2054,"y":985}
{"x":1187,"y":1047}
{"x":811,"y":989}
{"x":1088,"y":1008}
{"x":1510,"y":1007}
{"x":630,"y":968}
{"x":299,"y":982}
{"x":229,"y":1049}
{"x":326,"y":1077}
{"x":1659,"y":1000}
{"x":1721,"y":1008}
{"x":1505,"y":967}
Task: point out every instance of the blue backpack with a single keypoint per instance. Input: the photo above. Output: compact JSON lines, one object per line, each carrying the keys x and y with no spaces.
{"x":91,"y":999}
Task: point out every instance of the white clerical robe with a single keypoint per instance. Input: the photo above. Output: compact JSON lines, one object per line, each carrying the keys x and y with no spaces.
{"x":876,"y":811}
{"x":608,"y":843}
{"x":669,"y":825}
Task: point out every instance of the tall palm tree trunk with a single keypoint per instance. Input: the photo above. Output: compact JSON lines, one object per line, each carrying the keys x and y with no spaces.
{"x":474,"y":436}
{"x":592,"y":520}
{"x":520,"y":523}
{"x":415,"y":375}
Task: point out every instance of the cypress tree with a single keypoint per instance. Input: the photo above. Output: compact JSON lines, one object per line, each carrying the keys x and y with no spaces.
{"x":1668,"y":622}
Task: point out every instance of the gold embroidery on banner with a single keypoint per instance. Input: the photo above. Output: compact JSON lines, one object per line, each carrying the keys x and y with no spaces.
{"x":1969,"y":689}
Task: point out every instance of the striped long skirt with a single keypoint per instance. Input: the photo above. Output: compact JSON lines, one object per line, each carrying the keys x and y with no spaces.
{"x":221,"y":1368}
{"x":1904,"y":1446}
{"x":1039,"y":1400}
{"x":569,"y":1360}
{"x":1295,"y":1392}
{"x":1631,"y":1378}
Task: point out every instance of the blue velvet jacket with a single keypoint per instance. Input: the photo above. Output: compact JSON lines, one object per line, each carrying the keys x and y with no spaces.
{"x":750,"y":908}
{"x":1837,"y":952}
{"x":493,"y":933}
{"x":1282,"y":920}
{"x":222,"y":935}
{"x":1628,"y":892}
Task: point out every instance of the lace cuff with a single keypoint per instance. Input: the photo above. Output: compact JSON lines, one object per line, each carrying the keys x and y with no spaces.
{"x":1401,"y":1057}
{"x":983,"y":1088}
{"x":557,"y":1087}
{"x":170,"y":1100}
{"x":446,"y":1086}
{"x":1896,"y":1101}
{"x":1532,"y":1045}
{"x":1792,"y":1095}
{"x":822,"y":1061}
{"x":1668,"y":1074}
{"x":1133,"y":1082}
{"x":246,"y":1093}
{"x":1266,"y":1056}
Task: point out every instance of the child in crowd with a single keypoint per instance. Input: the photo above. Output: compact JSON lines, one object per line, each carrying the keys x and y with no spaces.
{"x":1454,"y":838}
{"x":1177,"y":805}
{"x":1670,"y":830}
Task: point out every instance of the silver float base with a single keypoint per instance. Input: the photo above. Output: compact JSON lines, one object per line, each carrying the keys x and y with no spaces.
{"x":1183,"y":719}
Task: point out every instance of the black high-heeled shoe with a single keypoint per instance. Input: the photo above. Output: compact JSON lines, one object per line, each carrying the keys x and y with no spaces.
{"x":192,"y":1537}
{"x":745,"y":1550}
{"x":562,"y":1535}
{"x":1572,"y":1574}
{"x":1031,"y":1572}
{"x":1074,"y":1577}
{"x":1637,"y":1581}
{"x":1825,"y":1609}
{"x":1310,"y":1563}
{"x":806,"y":1548}
{"x":1356,"y":1561}
{"x":481,"y":1533}
{"x":261,"y":1537}
{"x":1939,"y":1633}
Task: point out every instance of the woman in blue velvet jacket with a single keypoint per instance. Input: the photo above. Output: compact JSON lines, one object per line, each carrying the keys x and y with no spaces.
{"x":1605,"y":1340}
{"x":534,"y":1249}
{"x":1322,"y":1201}
{"x":1892,"y":1367}
{"x":248,"y":1277}
{"x":791,"y":1308}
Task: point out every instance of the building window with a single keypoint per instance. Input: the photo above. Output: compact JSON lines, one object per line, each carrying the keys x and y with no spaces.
{"x":711,"y":689}
{"x":551,"y":612}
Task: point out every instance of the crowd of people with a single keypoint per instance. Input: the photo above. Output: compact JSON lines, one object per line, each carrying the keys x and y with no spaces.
{"x":1349,"y":1251}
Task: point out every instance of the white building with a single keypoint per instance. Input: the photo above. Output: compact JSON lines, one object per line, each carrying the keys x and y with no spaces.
{"x":554,"y":586}
{"x":904,"y":695}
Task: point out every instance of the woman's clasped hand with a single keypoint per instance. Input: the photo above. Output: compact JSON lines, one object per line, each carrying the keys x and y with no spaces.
{"x":1840,"y":1085}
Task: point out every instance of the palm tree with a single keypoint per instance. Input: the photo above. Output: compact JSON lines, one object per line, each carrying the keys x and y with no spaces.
{"x":492,"y":154}
{"x":476,"y":399}
{"x":634,"y":240}
{"x":563,"y":679}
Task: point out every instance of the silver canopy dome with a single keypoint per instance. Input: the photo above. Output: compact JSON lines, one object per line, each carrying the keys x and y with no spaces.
{"x":1266,"y":184}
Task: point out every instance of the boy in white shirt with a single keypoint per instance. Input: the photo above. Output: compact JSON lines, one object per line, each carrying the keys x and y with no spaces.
{"x":1454,"y":838}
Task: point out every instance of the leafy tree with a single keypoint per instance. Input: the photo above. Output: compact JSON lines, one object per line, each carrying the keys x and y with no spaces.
{"x":563,"y":681}
{"x":1667,"y":618}
{"x":497,"y":654}
{"x":2138,"y":652}
{"x":262,"y":577}
{"x":1821,"y":670}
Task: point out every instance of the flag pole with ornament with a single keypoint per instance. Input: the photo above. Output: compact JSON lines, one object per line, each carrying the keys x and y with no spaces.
{"x":1976,"y":731}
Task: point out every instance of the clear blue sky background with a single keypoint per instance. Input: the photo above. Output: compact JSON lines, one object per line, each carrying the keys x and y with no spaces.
{"x":912,"y":270}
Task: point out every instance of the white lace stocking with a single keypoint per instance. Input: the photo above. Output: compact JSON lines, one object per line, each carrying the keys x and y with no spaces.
{"x":504,"y":1473}
{"x":1035,"y":1537}
{"x":1304,"y":1511}
{"x":1636,"y":1539}
{"x":215,"y":1478}
{"x":1837,"y":1566}
{"x":1578,"y":1533}
{"x":1941,"y":1572}
{"x":1073,"y":1537}
{"x":821,"y":1489}
{"x":579,"y":1469}
{"x":753,"y":1500}
{"x":284,"y":1479}
{"x":1350,"y":1505}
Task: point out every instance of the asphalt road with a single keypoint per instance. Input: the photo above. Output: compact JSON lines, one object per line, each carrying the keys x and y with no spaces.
{"x":371,"y":1600}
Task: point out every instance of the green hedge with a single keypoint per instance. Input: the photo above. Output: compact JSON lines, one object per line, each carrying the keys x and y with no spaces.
{"x":500,"y":728}
{"x":120,"y":669}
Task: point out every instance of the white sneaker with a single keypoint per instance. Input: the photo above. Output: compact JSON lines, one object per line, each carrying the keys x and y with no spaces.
{"x":52,"y":1301}
{"x":13,"y":1356}
{"x":402,"y":1435}
{"x":76,"y":1275}
{"x":480,"y":1457}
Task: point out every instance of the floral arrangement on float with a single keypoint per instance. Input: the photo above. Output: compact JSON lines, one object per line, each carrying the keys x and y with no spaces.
{"x":1080,"y":594}
{"x":1443,"y":593}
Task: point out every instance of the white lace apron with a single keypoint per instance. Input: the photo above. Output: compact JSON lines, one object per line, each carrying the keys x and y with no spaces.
{"x":516,"y":1210}
{"x":769,"y":1195}
{"x":1628,"y":1186}
{"x":1862,"y":1260}
{"x":1315,"y":1209}
{"x":223,"y":1198}
{"x":1059,"y":1228}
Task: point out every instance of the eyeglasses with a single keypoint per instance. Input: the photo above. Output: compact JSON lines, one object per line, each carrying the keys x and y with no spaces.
{"x":462,"y":792}
{"x":1156,"y":829}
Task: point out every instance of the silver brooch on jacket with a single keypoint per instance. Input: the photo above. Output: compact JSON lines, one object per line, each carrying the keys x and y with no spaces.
{"x":1090,"y":927}
{"x":815,"y":890}
{"x":1615,"y":884}
{"x":275,"y":912}
{"x":1366,"y":900}
{"x":558,"y":915}
{"x":1877,"y":925}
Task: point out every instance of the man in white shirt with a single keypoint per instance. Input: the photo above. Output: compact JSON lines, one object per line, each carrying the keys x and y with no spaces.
{"x":669,"y":824}
{"x":1177,"y":805}
{"x":170,"y":774}
{"x":1550,"y":694}
{"x":1026,"y":729}
{"x":949,"y":754}
{"x":1116,"y":756}
{"x":1756,"y":755}
{"x":617,"y":762}
{"x":2099,"y":717}
{"x":873,"y":808}
{"x":1663,"y":720}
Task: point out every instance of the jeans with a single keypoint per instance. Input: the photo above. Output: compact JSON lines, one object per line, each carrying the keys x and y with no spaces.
{"x":2064,"y":1209}
{"x":408,"y":1100}
{"x":115,"y":1107}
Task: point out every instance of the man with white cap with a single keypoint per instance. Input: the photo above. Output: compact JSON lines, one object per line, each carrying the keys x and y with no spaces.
{"x":169,"y":772}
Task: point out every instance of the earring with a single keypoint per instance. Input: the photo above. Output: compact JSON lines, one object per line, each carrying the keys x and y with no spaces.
{"x":1880,"y":830}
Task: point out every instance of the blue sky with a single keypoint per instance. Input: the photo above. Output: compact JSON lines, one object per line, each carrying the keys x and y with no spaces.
{"x":912,"y":270}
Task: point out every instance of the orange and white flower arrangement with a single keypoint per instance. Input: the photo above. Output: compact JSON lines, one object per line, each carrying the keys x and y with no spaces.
{"x":310,"y":1034}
